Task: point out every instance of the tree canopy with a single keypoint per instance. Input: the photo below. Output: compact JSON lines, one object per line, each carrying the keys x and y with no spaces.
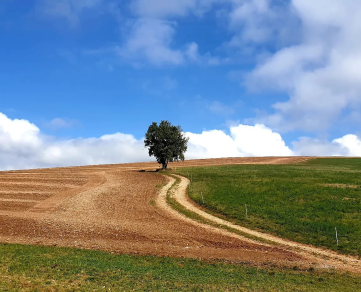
{"x":166,"y":142}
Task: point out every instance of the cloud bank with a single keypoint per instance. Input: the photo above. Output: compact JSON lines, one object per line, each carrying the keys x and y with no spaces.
{"x":22,"y":146}
{"x":320,"y":71}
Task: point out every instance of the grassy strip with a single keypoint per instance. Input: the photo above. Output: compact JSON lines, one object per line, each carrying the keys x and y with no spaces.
{"x":302,"y":202}
{"x":192,"y":215}
{"x":34,"y":268}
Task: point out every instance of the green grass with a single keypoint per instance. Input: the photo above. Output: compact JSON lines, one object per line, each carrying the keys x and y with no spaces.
{"x":34,"y":268}
{"x":302,"y":202}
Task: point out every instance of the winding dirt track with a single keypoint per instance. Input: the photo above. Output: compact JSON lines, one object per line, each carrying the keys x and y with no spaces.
{"x":120,"y":209}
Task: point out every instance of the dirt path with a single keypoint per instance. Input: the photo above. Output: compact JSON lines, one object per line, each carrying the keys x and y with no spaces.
{"x":325,"y":258}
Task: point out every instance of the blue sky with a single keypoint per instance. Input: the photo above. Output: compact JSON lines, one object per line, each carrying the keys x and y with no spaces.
{"x":242,"y":78}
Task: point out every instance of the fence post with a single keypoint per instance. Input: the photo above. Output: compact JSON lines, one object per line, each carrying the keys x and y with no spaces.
{"x":336,"y":236}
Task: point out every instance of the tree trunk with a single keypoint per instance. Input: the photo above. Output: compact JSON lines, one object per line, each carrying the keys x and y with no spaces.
{"x":164,"y":165}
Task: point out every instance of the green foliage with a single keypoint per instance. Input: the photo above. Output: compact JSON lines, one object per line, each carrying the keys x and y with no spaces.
{"x":165,"y":142}
{"x":302,"y":202}
{"x":34,"y":268}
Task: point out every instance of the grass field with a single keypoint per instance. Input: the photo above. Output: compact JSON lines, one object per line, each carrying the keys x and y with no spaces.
{"x":33,"y":268}
{"x":302,"y":202}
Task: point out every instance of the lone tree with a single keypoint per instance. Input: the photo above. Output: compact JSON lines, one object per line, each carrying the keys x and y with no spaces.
{"x":166,"y":142}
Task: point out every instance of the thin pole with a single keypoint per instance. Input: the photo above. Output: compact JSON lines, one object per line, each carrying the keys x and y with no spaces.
{"x":245,"y":205}
{"x":202,"y":197}
{"x":336,"y":236}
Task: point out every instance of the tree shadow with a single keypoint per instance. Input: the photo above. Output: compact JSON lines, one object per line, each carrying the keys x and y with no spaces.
{"x":143,"y":170}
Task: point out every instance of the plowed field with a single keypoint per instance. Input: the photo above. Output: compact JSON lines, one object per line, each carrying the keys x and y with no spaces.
{"x":114,"y":208}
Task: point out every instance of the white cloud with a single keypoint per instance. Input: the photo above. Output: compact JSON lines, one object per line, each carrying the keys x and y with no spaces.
{"x":249,"y":14}
{"x":115,"y":148}
{"x":314,"y":147}
{"x":18,"y":135}
{"x":61,"y":123}
{"x":258,"y":21}
{"x":244,"y":140}
{"x":192,"y":53}
{"x":23,"y":146}
{"x":150,"y":40}
{"x":259,"y":140}
{"x":348,"y":145}
{"x":321,"y":73}
{"x":211,"y":144}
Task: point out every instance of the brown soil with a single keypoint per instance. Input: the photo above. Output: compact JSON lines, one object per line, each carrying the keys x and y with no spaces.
{"x":117,"y":208}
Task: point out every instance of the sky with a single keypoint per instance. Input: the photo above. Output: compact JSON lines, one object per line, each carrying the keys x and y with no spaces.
{"x":81,"y":81}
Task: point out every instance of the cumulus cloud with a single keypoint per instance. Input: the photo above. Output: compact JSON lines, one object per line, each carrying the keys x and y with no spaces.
{"x":211,"y":144}
{"x":191,"y":52}
{"x":19,"y":135}
{"x":257,"y":22}
{"x":259,"y":140}
{"x":150,"y":36}
{"x":321,"y":72}
{"x":150,"y":40}
{"x":22,"y":145}
{"x":348,"y":145}
{"x":351,"y":144}
{"x":243,"y":141}
{"x":61,"y":123}
{"x":249,"y":19}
